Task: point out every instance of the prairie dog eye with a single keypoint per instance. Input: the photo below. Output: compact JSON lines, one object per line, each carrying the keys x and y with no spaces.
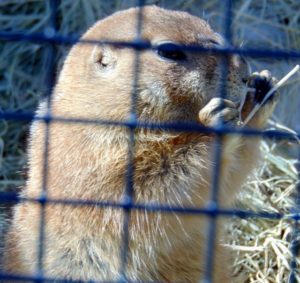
{"x":170,"y":51}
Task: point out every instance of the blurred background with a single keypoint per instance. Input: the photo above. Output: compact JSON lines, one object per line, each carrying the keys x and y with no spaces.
{"x":273,"y":24}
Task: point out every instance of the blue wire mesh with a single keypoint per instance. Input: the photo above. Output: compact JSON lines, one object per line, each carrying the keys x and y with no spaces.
{"x":212,"y":211}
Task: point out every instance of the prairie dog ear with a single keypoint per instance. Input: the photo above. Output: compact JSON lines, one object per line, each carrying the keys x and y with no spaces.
{"x":103,"y":58}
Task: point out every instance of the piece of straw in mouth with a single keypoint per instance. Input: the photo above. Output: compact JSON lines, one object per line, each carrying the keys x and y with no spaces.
{"x":269,"y":93}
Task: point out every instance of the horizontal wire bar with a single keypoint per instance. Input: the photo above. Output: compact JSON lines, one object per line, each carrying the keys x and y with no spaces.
{"x":209,"y":210}
{"x":172,"y":126}
{"x":144,"y":45}
{"x":37,"y":278}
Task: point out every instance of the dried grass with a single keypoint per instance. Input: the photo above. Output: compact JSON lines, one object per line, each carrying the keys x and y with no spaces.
{"x":262,"y":247}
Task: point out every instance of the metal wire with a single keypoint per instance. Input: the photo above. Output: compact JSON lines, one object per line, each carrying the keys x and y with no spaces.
{"x":129,"y":193}
{"x":212,"y":211}
{"x":214,"y":198}
{"x":49,"y":31}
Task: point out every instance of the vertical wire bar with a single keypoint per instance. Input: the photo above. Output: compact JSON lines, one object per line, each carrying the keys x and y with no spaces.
{"x":217,"y":155}
{"x":49,"y":31}
{"x":129,"y":191}
{"x":295,"y":241}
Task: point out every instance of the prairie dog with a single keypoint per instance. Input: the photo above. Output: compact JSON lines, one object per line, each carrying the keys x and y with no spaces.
{"x":89,"y":162}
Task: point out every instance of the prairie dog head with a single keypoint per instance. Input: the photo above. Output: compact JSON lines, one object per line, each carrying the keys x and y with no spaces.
{"x":173,"y":85}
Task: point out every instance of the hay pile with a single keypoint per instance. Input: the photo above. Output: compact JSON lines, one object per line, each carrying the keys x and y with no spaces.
{"x":262,"y":245}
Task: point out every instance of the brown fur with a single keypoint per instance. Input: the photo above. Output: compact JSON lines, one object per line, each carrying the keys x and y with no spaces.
{"x":88,"y":162}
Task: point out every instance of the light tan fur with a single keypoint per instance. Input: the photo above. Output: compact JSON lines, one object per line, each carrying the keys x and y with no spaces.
{"x":88,"y":162}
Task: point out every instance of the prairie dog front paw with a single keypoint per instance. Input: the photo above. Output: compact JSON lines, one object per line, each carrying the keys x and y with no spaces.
{"x":260,"y":83}
{"x":218,"y":109}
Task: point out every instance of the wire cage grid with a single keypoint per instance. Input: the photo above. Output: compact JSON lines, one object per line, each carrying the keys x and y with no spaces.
{"x":51,"y":38}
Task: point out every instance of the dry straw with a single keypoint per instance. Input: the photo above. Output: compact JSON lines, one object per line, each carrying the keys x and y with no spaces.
{"x":262,"y":247}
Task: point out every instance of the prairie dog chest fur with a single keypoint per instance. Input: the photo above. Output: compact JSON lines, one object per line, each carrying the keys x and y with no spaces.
{"x":89,"y":161}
